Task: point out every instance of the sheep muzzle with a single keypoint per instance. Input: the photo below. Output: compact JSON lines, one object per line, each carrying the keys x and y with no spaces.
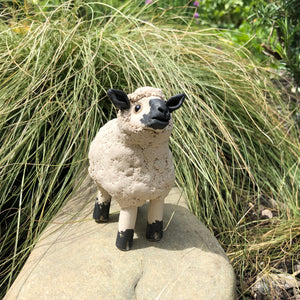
{"x":159,"y":115}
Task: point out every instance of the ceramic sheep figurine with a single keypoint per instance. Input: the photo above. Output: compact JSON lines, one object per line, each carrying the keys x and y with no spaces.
{"x":130,"y":160}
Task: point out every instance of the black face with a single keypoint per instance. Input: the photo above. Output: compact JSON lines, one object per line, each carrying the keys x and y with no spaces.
{"x":159,"y":115}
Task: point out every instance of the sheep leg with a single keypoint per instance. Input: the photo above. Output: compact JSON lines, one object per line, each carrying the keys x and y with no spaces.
{"x":154,"y":231}
{"x":102,"y":205}
{"x":126,"y":225}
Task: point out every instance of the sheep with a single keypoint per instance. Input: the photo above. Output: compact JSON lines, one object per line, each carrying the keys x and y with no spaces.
{"x":130,"y":160}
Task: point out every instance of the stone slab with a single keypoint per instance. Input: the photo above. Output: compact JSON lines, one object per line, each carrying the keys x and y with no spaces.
{"x":76,"y":258}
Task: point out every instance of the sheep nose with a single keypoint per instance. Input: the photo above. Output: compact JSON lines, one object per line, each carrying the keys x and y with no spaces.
{"x":159,"y":109}
{"x":158,"y":116}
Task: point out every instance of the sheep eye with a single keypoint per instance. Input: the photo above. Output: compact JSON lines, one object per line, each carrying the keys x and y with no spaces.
{"x":137,"y":107}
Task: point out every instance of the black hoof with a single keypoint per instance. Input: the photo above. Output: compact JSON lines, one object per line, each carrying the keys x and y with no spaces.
{"x":154,"y":231}
{"x":101,"y":211}
{"x":124,"y":240}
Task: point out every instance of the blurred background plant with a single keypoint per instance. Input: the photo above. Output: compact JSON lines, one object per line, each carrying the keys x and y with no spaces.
{"x":235,"y":143}
{"x":271,"y":27}
{"x":281,"y":18}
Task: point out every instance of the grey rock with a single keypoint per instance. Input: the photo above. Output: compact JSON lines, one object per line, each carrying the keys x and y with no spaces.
{"x":276,"y":286}
{"x":76,"y":258}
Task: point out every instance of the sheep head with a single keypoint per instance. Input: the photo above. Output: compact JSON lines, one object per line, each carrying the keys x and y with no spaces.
{"x":146,"y":107}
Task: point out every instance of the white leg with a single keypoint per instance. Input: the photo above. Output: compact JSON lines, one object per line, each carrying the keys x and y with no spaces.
{"x":154,"y":230}
{"x":126,"y":226}
{"x":127,"y":218}
{"x":102,"y":195}
{"x":102,"y":205}
{"x":155,"y":210}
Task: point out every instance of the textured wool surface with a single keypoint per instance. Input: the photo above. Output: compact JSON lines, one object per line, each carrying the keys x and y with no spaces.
{"x":130,"y":162}
{"x":145,"y":92}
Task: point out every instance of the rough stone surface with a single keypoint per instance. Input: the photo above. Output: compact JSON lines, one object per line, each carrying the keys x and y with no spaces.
{"x":76,"y":258}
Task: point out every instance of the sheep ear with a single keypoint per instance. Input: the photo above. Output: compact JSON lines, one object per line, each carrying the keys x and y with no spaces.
{"x":118,"y":98}
{"x":175,"y":102}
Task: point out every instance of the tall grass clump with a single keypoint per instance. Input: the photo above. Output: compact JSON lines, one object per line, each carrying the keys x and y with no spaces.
{"x":235,"y":145}
{"x":48,"y":113}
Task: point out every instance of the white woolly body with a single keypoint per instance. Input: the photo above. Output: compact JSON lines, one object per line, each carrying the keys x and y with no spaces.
{"x":132,"y":165}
